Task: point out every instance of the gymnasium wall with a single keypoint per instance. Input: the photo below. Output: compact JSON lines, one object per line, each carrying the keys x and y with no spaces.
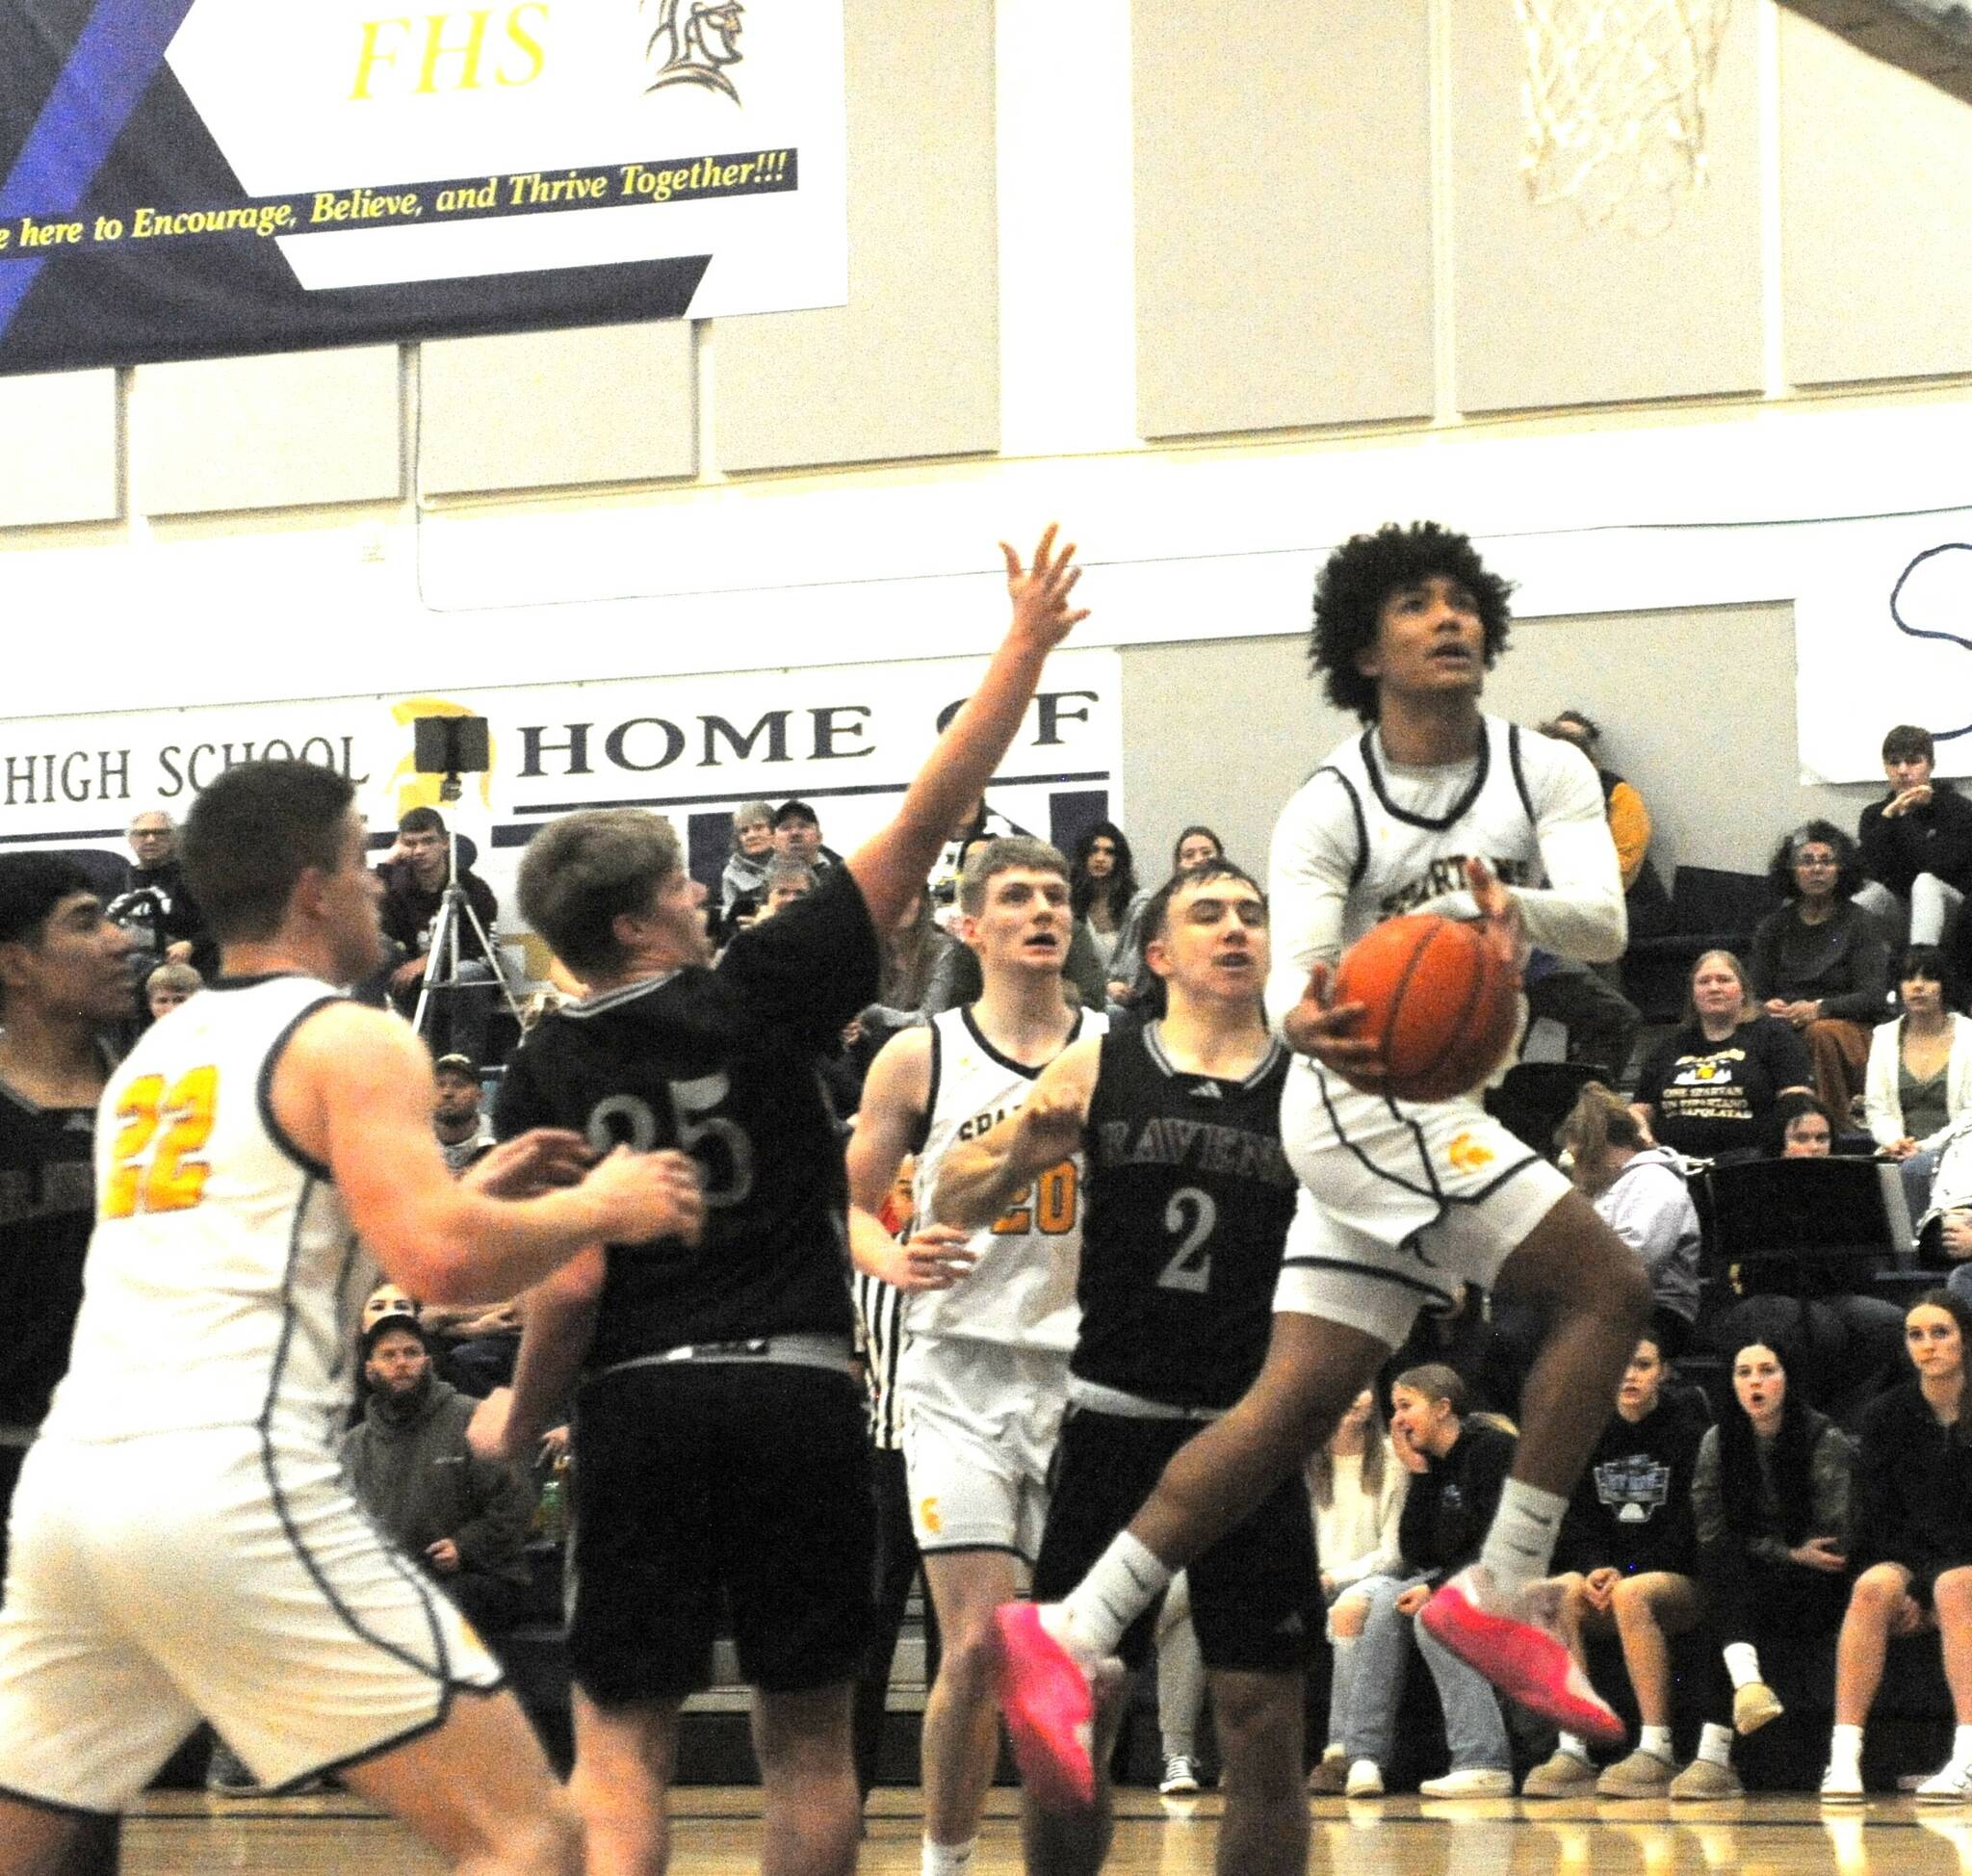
{"x":1218,"y":292}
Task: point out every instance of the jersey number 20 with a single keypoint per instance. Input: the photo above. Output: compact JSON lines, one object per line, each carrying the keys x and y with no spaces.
{"x":171,"y":1179}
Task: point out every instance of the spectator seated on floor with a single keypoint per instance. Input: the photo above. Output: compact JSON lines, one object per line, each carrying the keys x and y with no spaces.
{"x":168,"y":986}
{"x":1356,"y":1486}
{"x":1628,"y":1560}
{"x":461,"y":1518}
{"x":1639,"y":1190}
{"x":1912,"y":1544}
{"x":1769,"y":1502}
{"x":1449,"y":1505}
{"x":1708,"y":1089}
{"x":1820,"y":962}
{"x":1916,"y":843}
{"x":1919,"y":1078}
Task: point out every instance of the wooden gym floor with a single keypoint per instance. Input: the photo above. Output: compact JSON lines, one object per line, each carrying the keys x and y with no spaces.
{"x":716,"y":1827}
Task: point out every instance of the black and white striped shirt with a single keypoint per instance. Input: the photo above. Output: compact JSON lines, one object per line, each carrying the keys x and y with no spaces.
{"x":880,"y":1323}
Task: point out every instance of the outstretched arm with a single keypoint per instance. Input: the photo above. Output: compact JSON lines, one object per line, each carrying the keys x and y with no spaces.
{"x":977,"y":1179}
{"x":354,"y":1091}
{"x":892,"y":865}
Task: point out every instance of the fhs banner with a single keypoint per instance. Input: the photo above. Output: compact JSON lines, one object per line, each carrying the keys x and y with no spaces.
{"x":208,"y":178}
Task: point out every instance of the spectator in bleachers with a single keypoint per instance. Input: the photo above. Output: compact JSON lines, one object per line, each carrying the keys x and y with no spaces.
{"x":156,"y":906}
{"x":464,"y":1519}
{"x":1770,"y":1502}
{"x":787,"y":880}
{"x":977,"y":822}
{"x":908,"y":988}
{"x":1708,"y":1089}
{"x":1628,"y":1560}
{"x":1639,"y":1191}
{"x":1944,"y":1229}
{"x":1449,"y":1504}
{"x":168,"y":986}
{"x":745,"y":870}
{"x":1919,"y":1078}
{"x":1108,"y":905}
{"x":1355,"y":1485}
{"x":1807,"y":1129}
{"x":1916,"y":843}
{"x":1912,"y":1544}
{"x":1629,"y":826}
{"x":797,"y":836}
{"x":1820,"y":962}
{"x":1195,"y":847}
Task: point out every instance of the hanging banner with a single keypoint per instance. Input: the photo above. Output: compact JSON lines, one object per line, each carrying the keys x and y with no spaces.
{"x":207,"y":178}
{"x":846,"y":738}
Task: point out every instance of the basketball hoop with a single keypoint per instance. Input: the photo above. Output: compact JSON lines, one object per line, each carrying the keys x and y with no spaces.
{"x":1616,"y":97}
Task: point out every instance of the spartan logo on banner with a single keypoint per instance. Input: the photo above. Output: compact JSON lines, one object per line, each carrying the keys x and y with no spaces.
{"x":203,"y":178}
{"x":696,"y":42}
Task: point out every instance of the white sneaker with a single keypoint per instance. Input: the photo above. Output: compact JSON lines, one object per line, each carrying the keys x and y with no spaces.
{"x":1473,"y":1782}
{"x":1951,"y":1785}
{"x":1365,"y":1780}
{"x":1180,"y":1776}
{"x":1842,"y":1785}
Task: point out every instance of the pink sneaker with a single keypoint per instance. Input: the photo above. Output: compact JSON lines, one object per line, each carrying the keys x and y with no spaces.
{"x":1048,"y":1694}
{"x":1514,"y":1641}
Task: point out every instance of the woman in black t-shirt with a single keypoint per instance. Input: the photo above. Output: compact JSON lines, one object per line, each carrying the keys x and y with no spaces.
{"x":1709,"y":1089}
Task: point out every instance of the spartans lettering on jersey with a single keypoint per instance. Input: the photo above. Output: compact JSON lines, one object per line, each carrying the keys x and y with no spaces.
{"x":1448,"y":874}
{"x":981,"y":1124}
{"x":1165,"y":1141}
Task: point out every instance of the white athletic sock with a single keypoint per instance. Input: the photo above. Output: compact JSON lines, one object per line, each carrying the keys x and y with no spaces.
{"x":1742,"y":1664}
{"x":1520,"y":1545}
{"x":1574,"y":1747}
{"x":1845,"y":1747}
{"x":948,"y":1859}
{"x":1125,"y":1581}
{"x":1715,"y":1742}
{"x":1655,"y":1740}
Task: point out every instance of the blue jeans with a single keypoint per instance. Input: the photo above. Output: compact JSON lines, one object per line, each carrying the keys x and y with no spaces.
{"x":1474,"y":1728}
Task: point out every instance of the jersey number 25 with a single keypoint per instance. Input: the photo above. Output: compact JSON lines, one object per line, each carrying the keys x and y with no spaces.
{"x":627,"y":1119}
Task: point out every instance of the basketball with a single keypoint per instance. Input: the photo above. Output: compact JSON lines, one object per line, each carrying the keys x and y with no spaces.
{"x":1443,"y":1007}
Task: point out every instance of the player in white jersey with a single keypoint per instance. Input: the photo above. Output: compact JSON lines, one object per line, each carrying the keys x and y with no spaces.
{"x":982,"y":1379}
{"x":1437,"y":807}
{"x":184,"y":1543}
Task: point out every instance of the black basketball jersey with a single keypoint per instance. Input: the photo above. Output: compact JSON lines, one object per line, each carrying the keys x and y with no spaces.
{"x":47,"y":1209}
{"x":721,"y":1064}
{"x":1189,"y":1197}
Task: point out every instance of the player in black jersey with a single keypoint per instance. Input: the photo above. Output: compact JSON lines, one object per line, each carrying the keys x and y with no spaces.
{"x":1190,"y":1198}
{"x":721,"y":1459}
{"x":66,"y":975}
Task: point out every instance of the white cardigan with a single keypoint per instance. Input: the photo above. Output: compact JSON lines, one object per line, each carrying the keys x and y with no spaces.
{"x":1880,"y":1099}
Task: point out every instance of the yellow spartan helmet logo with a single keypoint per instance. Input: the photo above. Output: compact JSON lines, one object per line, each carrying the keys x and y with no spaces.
{"x":927,"y":1515}
{"x":1467,"y":1154}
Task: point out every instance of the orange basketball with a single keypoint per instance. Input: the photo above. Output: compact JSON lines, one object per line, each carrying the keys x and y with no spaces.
{"x":1443,"y":1007}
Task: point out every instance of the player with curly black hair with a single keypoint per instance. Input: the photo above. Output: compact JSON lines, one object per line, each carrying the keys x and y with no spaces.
{"x":1361,"y":574}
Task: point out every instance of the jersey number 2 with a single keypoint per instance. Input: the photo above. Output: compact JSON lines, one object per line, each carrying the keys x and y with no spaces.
{"x":171,"y":1179}
{"x":1192,"y":1214}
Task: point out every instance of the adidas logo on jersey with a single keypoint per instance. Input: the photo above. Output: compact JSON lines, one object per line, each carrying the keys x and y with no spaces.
{"x":1206,"y":1091}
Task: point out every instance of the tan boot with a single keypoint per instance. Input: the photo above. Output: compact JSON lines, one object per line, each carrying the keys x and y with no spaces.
{"x":1563,"y":1775}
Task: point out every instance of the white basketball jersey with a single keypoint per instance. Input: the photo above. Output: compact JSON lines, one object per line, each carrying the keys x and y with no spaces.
{"x":1022,"y":1289}
{"x":1415,"y":828}
{"x":223,"y":1281}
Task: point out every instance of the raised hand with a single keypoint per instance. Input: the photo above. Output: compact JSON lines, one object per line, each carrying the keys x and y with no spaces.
{"x":1040,"y":593}
{"x":647,"y":1195}
{"x":1499,"y":916}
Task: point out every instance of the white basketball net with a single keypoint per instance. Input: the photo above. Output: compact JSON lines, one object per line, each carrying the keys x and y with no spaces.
{"x":1616,"y":97}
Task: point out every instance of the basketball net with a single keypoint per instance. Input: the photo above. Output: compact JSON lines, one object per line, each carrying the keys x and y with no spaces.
{"x":1616,"y":97}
